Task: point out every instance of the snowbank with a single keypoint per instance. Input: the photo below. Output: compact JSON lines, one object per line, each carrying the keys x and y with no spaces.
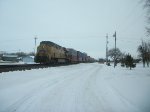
{"x":76,"y":88}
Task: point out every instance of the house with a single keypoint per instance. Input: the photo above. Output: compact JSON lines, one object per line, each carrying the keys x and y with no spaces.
{"x":28,"y":59}
{"x":8,"y":57}
{"x":1,"y":54}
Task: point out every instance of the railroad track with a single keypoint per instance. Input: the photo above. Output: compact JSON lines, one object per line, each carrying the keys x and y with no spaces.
{"x":23,"y":67}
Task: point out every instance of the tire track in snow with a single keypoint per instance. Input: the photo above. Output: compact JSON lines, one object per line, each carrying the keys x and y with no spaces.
{"x":108,"y":96}
{"x":83,"y":89}
{"x":37,"y":91}
{"x":71,"y":88}
{"x":126,"y":101}
{"x":95,"y":103}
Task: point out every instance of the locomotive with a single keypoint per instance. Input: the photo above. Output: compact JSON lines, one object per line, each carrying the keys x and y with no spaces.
{"x":52,"y":53}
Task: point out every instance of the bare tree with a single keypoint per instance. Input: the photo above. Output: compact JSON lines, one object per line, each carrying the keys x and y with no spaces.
{"x":147,"y":6}
{"x":111,"y":53}
{"x":144,"y":51}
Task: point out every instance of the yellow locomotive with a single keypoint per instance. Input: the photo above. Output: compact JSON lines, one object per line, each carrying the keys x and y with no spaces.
{"x":49,"y":52}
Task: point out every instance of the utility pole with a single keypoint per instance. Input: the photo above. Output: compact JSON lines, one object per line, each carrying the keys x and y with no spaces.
{"x":35,"y":45}
{"x":106,"y":49}
{"x":115,"y":50}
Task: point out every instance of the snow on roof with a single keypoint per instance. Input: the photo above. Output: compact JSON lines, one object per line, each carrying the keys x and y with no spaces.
{"x":8,"y":55}
{"x":28,"y":57}
{"x":32,"y":56}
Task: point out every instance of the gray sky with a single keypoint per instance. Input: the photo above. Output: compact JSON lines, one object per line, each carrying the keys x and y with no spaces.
{"x":78,"y":24}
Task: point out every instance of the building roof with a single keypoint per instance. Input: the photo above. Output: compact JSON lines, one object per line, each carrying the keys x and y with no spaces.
{"x":12,"y":56}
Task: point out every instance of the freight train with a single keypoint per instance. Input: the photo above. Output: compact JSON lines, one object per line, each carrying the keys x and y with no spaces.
{"x":51,"y":53}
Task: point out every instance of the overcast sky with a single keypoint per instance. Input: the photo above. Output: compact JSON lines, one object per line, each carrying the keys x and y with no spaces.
{"x":78,"y":24}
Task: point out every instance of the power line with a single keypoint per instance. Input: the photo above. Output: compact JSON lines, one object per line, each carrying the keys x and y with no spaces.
{"x":133,"y":21}
{"x":12,"y":40}
{"x":35,"y":44}
{"x":106,"y":49}
{"x":115,"y":50}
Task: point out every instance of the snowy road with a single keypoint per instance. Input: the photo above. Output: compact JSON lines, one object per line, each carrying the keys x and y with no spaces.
{"x":76,"y":88}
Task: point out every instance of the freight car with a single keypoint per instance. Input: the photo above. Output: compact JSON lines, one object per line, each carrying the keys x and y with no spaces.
{"x":72,"y":55}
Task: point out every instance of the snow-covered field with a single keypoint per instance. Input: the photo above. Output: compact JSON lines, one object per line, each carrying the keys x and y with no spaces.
{"x":76,"y":88}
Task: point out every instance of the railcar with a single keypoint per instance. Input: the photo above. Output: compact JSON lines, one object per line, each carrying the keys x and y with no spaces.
{"x":72,"y":55}
{"x":80,"y":56}
{"x":49,"y":52}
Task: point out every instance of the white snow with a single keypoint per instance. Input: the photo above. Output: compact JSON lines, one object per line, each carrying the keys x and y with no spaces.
{"x":76,"y":88}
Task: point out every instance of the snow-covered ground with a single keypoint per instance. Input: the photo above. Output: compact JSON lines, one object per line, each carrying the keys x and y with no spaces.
{"x":15,"y":63}
{"x":76,"y":88}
